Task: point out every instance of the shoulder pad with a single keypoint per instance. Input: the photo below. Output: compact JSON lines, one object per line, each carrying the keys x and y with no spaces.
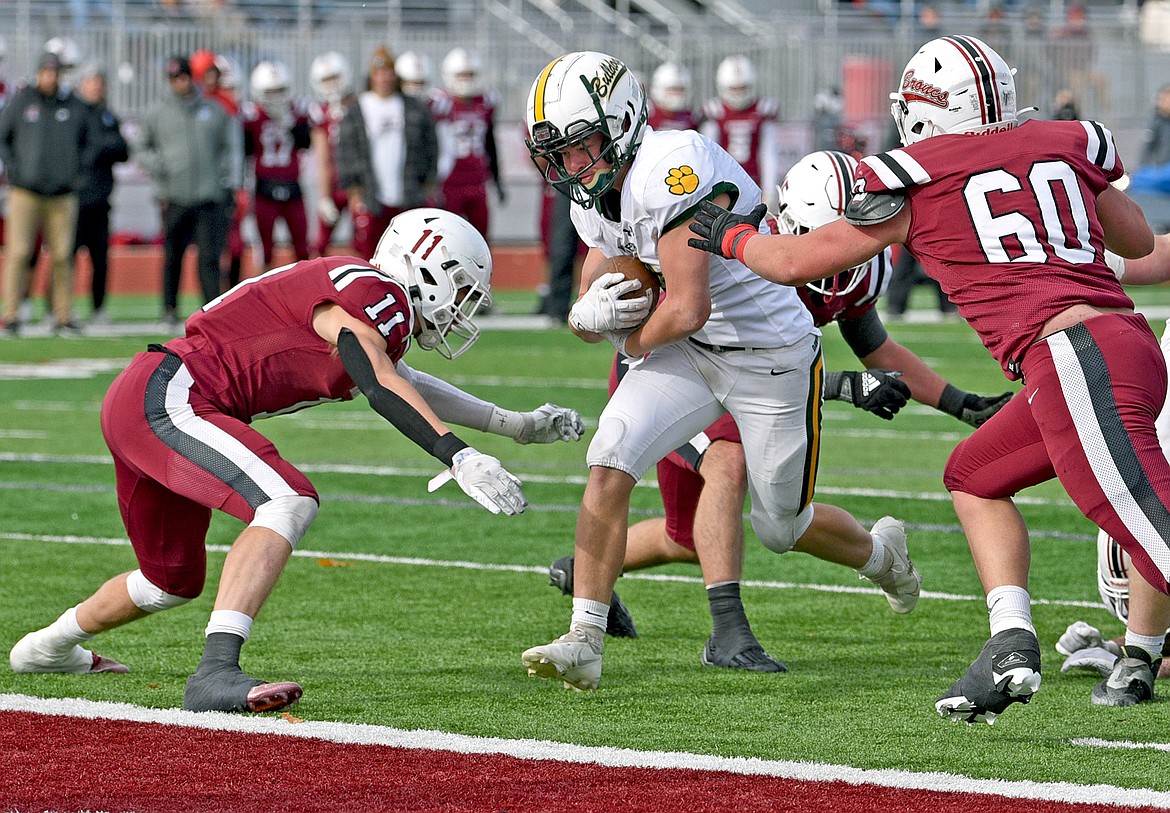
{"x":872,"y":208}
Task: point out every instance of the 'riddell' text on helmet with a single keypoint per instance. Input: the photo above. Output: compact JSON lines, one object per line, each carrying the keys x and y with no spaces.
{"x":579,"y":95}
{"x":814,"y":193}
{"x":954,"y":85}
{"x":445,"y":267}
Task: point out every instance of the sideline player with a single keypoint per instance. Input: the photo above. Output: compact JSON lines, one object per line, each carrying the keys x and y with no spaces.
{"x":177,"y":421}
{"x":708,"y":501}
{"x":723,"y":340}
{"x":1013,"y":221}
{"x":332,"y":80}
{"x":744,"y":124}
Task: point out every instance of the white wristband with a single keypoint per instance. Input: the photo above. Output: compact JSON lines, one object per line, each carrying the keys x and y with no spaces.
{"x":505,"y":422}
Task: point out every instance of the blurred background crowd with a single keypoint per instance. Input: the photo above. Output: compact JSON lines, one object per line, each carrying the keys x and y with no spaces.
{"x":252,"y":132}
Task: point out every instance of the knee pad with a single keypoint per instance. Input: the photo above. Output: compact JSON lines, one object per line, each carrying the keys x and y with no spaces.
{"x":149,"y":597}
{"x":288,"y":516}
{"x":780,"y":534}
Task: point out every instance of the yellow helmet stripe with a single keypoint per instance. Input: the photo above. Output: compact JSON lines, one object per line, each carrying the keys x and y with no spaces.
{"x":541,"y":84}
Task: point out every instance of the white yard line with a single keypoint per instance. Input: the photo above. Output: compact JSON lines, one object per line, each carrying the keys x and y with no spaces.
{"x":414,"y":561}
{"x":1095,"y":742}
{"x":360,"y":734}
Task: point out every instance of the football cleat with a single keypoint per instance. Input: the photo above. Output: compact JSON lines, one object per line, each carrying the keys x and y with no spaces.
{"x":32,"y":655}
{"x":1131,"y":681}
{"x":619,"y":623}
{"x":574,"y":658}
{"x":229,"y":689}
{"x":1007,"y":671}
{"x":750,"y":656}
{"x":900,"y":580}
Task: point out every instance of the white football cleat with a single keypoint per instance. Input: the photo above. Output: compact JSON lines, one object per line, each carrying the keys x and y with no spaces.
{"x":900,"y":580}
{"x":575,"y":658}
{"x":31,"y":655}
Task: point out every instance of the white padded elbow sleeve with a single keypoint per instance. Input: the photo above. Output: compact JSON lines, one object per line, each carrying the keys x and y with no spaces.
{"x":288,"y":516}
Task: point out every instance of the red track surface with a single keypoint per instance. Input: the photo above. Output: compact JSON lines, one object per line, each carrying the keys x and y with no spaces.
{"x":65,"y":763}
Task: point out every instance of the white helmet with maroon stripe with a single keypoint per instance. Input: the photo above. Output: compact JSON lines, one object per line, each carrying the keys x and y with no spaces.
{"x":954,"y":85}
{"x":814,"y":194}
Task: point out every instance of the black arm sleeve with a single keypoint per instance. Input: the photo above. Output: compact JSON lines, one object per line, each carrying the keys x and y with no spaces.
{"x":402,"y":415}
{"x":864,"y":334}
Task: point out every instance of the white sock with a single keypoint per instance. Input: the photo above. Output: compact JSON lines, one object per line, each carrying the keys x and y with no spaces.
{"x":877,"y":559}
{"x":65,"y":632}
{"x":1010,"y":608}
{"x":1150,"y":643}
{"x":589,"y":613}
{"x":229,"y":621}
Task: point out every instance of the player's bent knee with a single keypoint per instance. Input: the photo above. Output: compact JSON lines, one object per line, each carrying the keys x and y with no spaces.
{"x":780,"y":534}
{"x":288,"y":516}
{"x":149,"y":597}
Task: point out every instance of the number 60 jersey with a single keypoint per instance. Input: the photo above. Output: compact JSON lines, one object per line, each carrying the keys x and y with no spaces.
{"x":253,"y":351}
{"x":1025,"y":242}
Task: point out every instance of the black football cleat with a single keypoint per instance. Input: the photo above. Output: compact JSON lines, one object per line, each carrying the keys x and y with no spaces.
{"x":619,"y":623}
{"x":745,"y":653}
{"x":231,"y":690}
{"x":1007,"y":671}
{"x":1131,"y":682}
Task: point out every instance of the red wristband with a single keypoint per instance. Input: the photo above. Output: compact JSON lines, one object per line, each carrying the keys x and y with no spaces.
{"x":736,"y":239}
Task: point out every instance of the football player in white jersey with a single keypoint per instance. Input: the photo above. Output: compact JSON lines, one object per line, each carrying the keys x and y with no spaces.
{"x":719,"y":341}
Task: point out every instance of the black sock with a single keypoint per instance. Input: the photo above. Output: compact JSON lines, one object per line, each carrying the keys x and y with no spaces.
{"x":727,"y":613}
{"x":222,"y":650}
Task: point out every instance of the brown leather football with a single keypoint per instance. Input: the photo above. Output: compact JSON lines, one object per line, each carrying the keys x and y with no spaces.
{"x":631,"y":268}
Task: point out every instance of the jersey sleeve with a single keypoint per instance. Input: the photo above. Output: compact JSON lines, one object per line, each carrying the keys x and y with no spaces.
{"x":676,"y":184}
{"x":374,"y":298}
{"x":1101,"y":150}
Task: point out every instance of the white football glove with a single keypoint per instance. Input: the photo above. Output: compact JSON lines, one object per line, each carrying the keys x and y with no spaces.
{"x":550,"y":423}
{"x":601,"y":309}
{"x":327,"y":210}
{"x":487,"y":482}
{"x":1095,"y":659}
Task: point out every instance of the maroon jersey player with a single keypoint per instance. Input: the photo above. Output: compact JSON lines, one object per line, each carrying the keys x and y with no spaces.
{"x":331,"y":78}
{"x":1013,"y":221}
{"x":178,"y":421}
{"x":465,"y":118}
{"x":276,"y":134}
{"x":743,"y":123}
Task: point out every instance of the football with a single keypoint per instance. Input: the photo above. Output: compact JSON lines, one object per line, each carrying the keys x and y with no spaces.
{"x":631,"y":268}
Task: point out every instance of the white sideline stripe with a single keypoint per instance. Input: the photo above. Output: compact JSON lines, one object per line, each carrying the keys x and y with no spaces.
{"x":544,"y":750}
{"x":1096,"y":742}
{"x":572,"y":479}
{"x":412,"y":561}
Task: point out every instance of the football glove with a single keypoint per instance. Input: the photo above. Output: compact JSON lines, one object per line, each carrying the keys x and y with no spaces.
{"x":487,"y":482}
{"x":878,"y":391}
{"x":724,"y":232}
{"x":327,"y":210}
{"x":601,"y":308}
{"x":548,"y":424}
{"x":978,"y":408}
{"x":1096,"y":660}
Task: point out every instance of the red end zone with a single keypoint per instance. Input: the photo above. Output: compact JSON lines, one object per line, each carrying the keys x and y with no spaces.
{"x":70,"y":763}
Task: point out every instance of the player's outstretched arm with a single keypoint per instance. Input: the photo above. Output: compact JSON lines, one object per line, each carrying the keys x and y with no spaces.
{"x":928,"y":387}
{"x":545,"y":424}
{"x":1148,"y":270}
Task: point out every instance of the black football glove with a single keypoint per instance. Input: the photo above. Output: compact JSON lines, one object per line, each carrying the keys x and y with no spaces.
{"x":878,"y":391}
{"x":721,"y":231}
{"x":978,"y":408}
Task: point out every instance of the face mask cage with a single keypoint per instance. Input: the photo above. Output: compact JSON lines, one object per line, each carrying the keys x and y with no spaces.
{"x":547,"y":147}
{"x":448,"y":326}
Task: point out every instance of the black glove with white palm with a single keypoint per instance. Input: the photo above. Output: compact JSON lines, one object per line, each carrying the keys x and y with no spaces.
{"x":486,"y":481}
{"x":724,"y":232}
{"x":881,"y":392}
